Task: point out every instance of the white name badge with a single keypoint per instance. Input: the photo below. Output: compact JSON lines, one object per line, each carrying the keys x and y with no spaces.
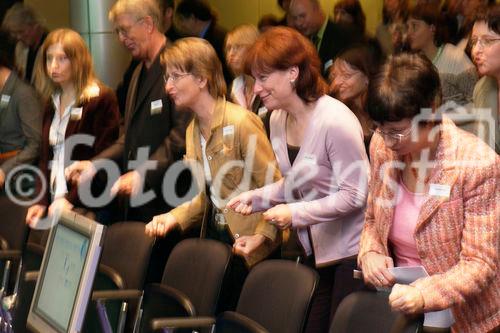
{"x":228,"y":130}
{"x":439,"y":190}
{"x":75,"y":114}
{"x":310,"y":159}
{"x":156,"y":106}
{"x":4,"y":100}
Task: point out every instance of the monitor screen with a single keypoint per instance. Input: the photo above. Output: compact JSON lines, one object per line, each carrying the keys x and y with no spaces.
{"x":66,"y":275}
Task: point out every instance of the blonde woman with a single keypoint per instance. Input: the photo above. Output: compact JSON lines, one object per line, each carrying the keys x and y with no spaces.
{"x":76,"y":102}
{"x":222,"y":141}
{"x":238,"y":42}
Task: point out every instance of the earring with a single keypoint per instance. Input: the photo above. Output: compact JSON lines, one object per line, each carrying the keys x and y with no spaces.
{"x":292,"y":82}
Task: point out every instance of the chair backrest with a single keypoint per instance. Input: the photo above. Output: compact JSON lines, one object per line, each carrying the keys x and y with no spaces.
{"x":127,"y":250}
{"x":196,"y":267}
{"x":369,"y":311}
{"x":13,"y":229}
{"x":277,"y":294}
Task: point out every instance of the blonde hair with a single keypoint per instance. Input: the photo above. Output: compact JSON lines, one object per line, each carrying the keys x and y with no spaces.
{"x":82,"y":69}
{"x":196,"y":56}
{"x":245,"y":34}
{"x":138,"y":9}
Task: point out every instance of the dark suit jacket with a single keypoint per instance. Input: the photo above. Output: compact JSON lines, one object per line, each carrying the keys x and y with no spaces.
{"x":161,"y":130}
{"x":335,"y":39}
{"x":216,"y":36}
{"x":100,"y":118}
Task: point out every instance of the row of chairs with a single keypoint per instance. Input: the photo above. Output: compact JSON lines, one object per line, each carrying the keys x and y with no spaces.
{"x":275,"y":298}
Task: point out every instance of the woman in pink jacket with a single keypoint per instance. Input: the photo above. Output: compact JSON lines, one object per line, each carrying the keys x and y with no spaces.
{"x":433,"y":201}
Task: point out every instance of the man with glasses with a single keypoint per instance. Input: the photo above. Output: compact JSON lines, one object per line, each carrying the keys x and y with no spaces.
{"x":150,"y":122}
{"x":25,"y":26}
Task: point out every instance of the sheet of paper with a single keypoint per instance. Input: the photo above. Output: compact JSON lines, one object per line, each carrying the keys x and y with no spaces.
{"x":406,"y":275}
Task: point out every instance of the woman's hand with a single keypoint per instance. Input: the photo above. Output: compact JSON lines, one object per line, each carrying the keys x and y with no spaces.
{"x":34,"y":214}
{"x":128,"y":184}
{"x":375,"y":269}
{"x":80,"y":172}
{"x":246,"y":245}
{"x":242,"y":203}
{"x":161,"y":225}
{"x":280,"y":216}
{"x":407,"y":299}
{"x":59,"y":205}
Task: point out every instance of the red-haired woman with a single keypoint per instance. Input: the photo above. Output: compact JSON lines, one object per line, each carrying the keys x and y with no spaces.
{"x":318,"y":143}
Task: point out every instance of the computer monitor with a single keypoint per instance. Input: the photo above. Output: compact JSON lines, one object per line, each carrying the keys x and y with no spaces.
{"x":67,"y":274}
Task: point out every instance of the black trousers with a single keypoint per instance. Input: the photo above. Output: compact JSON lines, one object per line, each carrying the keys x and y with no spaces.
{"x":335,"y":283}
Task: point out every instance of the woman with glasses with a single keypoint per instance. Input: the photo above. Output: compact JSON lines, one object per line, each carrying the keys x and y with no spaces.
{"x":426,"y":34}
{"x":318,"y":143}
{"x":228,"y":150}
{"x":485,"y":42}
{"x":76,"y":102}
{"x":433,"y":202}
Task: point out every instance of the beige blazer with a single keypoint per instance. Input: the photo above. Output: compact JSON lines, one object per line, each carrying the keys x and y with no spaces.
{"x":237,"y":137}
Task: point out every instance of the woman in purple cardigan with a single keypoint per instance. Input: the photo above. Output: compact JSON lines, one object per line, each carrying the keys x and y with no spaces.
{"x":318,"y":143}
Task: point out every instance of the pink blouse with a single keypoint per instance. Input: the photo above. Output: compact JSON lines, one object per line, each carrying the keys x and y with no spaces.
{"x":401,"y":236}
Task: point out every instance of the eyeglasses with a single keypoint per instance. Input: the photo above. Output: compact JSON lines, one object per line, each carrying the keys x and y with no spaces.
{"x":393,"y":135}
{"x":174,"y":77}
{"x":125,"y":31}
{"x":483,"y":42}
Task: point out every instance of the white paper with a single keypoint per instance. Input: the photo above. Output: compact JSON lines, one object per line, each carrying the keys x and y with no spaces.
{"x":407,"y":275}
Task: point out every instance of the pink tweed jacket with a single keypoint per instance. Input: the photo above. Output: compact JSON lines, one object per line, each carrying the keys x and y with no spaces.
{"x":457,"y":237}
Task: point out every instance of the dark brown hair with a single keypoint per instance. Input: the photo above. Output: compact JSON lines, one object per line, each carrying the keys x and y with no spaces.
{"x":406,"y":84}
{"x":353,"y":8}
{"x":491,"y":18}
{"x":430,"y":14}
{"x":280,"y":48}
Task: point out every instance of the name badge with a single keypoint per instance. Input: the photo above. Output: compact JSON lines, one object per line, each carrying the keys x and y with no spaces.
{"x":261,"y":111}
{"x":4,"y":101}
{"x":156,"y":107}
{"x":310,"y":159}
{"x":75,"y":114}
{"x":439,"y":190}
{"x":228,"y":130}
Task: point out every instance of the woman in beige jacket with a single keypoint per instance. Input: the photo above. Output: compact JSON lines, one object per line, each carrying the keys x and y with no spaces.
{"x":228,"y":152}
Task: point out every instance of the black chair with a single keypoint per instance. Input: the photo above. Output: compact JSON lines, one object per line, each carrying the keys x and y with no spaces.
{"x":191,"y":282}
{"x":369,"y":311}
{"x":276,"y":297}
{"x":13,"y":234}
{"x":120,"y":278}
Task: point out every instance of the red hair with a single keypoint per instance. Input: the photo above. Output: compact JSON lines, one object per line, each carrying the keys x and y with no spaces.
{"x":280,"y":48}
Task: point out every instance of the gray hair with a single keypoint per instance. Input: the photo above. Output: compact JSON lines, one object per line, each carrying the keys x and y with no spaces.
{"x":137,"y":8}
{"x":20,"y":16}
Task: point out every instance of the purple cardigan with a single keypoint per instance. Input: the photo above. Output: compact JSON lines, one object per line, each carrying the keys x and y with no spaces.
{"x":326,"y":187}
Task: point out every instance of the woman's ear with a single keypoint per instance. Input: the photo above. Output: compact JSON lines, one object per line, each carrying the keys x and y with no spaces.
{"x":148,"y":22}
{"x":293,"y":72}
{"x":202,"y":82}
